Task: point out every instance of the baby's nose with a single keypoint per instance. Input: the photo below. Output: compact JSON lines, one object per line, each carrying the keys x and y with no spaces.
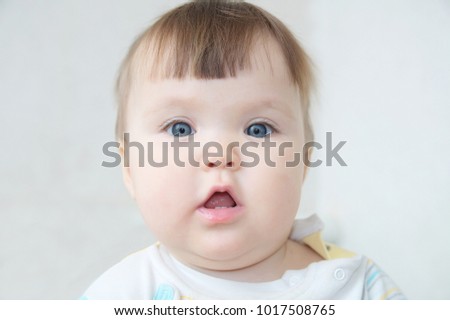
{"x":220,"y":155}
{"x":218,"y":163}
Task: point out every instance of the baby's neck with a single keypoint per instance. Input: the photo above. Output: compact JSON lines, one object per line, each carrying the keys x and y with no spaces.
{"x":291,"y":256}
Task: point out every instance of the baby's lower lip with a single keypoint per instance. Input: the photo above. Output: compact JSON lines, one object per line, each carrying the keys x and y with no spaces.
{"x":220,"y":215}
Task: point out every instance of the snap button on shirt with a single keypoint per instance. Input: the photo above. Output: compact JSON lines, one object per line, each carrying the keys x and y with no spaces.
{"x":339,"y":274}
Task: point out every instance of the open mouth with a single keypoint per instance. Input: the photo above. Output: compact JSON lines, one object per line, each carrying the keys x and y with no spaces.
{"x":220,"y":200}
{"x":221,"y":207}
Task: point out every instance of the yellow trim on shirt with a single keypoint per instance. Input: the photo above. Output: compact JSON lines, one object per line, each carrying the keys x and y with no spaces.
{"x":327,"y":251}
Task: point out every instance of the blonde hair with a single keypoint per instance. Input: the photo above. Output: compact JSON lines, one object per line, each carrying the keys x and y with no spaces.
{"x":209,"y":39}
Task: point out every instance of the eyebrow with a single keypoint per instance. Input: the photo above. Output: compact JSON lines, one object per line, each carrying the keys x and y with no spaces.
{"x":273,"y":104}
{"x":192,"y":103}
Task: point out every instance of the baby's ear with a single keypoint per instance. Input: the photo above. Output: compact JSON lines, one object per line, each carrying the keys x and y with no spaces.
{"x":126,"y":174}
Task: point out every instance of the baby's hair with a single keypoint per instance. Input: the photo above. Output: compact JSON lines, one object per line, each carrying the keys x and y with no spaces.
{"x":209,"y":39}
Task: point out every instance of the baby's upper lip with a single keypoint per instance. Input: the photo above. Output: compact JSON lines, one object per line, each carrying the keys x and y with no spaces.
{"x":224,"y":188}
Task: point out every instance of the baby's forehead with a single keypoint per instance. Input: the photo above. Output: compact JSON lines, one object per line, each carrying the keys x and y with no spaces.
{"x":264,"y":79}
{"x":264,"y":88}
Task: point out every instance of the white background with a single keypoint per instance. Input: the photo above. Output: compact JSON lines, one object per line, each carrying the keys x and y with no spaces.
{"x":384,"y":82}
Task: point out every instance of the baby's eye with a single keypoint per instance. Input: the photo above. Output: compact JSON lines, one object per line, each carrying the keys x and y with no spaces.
{"x":180,"y":129}
{"x":259,"y":130}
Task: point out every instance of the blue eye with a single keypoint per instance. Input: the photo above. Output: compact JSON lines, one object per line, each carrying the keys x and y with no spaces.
{"x":180,"y":129}
{"x":258,"y":130}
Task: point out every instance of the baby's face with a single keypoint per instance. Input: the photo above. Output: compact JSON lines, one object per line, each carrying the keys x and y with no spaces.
{"x":259,"y":202}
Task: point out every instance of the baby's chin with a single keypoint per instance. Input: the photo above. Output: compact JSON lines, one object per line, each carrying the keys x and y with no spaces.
{"x":250,"y":267}
{"x":220,"y":258}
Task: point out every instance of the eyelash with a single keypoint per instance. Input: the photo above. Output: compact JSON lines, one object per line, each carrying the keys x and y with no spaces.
{"x":268,"y":123}
{"x":171,"y":122}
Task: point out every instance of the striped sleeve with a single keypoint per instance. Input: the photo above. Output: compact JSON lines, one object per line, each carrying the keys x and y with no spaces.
{"x":379,"y":286}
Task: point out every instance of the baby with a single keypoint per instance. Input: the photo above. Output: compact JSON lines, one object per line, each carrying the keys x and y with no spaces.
{"x":204,"y":91}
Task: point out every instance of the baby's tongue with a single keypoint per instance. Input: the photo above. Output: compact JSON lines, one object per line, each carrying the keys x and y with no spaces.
{"x":220,"y":199}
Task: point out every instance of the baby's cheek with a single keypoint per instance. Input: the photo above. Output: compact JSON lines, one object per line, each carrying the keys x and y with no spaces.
{"x":284,"y":190}
{"x":164,"y":190}
{"x":147,"y":184}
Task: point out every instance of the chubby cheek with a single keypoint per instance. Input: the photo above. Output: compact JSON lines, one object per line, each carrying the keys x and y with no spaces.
{"x":276,"y":189}
{"x":279,"y":190}
{"x":162,"y":195}
{"x":159,"y":187}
